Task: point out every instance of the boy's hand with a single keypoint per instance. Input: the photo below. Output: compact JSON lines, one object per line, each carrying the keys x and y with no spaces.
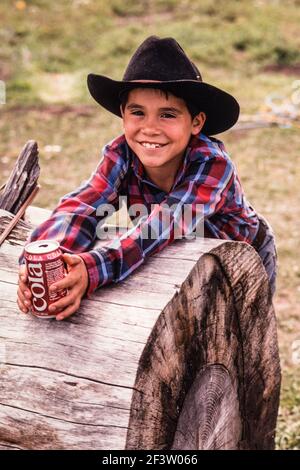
{"x":76,"y":281}
{"x":24,"y":294}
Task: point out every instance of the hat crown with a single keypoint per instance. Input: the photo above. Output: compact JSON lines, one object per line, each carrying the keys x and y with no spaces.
{"x":160,"y":60}
{"x":162,"y":64}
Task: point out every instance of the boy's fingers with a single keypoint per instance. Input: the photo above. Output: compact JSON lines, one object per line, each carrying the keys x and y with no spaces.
{"x":23,"y":273}
{"x":23,"y":288}
{"x":67,"y":312}
{"x":27,"y":294}
{"x":22,"y":278}
{"x":27,"y":303}
{"x":22,"y":307}
{"x":23,"y":285}
{"x":62,"y":303}
{"x":24,"y":300}
{"x":65,"y":283}
{"x":20,"y":295}
{"x":20,"y":304}
{"x":72,"y":259}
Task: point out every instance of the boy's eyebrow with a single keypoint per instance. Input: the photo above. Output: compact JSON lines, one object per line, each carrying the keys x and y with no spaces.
{"x":172,"y":109}
{"x":166,"y":109}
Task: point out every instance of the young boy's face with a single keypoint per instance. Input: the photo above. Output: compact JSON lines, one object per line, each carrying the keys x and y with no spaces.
{"x":158,"y":128}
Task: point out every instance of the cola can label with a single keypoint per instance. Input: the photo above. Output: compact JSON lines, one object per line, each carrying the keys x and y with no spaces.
{"x":45,"y":266}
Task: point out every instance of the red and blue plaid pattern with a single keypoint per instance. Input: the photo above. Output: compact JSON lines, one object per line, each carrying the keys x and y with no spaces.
{"x":207,"y":177}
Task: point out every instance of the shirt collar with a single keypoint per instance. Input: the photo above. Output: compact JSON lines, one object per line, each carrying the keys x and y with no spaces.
{"x":138,"y":167}
{"x":191,"y":153}
{"x":141,"y":174}
{"x":183,"y":166}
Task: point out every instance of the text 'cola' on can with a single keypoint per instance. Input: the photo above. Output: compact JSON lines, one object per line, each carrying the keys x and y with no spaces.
{"x":45,"y":266}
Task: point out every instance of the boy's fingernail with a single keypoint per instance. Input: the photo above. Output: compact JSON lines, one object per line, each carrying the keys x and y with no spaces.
{"x":23,"y":278}
{"x":53,"y":288}
{"x":59,"y":317}
{"x":52,"y":308}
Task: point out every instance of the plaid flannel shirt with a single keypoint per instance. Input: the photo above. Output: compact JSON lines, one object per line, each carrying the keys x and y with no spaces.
{"x":206,"y":178}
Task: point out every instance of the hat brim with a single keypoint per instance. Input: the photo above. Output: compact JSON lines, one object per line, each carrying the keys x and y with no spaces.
{"x":221,"y":109}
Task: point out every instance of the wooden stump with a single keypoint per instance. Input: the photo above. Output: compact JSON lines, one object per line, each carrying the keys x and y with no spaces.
{"x":181,"y":355}
{"x":22,"y":180}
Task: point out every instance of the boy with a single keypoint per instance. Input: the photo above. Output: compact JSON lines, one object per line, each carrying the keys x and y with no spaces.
{"x":164,"y":161}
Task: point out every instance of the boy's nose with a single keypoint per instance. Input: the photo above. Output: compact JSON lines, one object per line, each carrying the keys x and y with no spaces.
{"x":150,"y":128}
{"x":150,"y":131}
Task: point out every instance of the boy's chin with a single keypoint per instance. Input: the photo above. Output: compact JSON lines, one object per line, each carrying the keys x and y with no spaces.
{"x":152,"y":160}
{"x":153,"y":165}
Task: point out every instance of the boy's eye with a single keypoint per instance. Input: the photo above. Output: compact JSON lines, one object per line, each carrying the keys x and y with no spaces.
{"x":137,"y":113}
{"x":168,"y":115}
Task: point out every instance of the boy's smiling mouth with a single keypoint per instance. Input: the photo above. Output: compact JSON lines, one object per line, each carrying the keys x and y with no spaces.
{"x":151,"y":145}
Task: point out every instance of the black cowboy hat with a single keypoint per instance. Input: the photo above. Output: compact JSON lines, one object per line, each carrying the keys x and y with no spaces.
{"x":162,"y":63}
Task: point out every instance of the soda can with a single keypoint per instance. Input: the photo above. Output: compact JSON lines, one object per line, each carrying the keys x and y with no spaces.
{"x":45,"y":266}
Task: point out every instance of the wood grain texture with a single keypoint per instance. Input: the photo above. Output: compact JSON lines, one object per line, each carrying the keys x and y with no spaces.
{"x":183,"y":355}
{"x":222,"y":315}
{"x":210,"y":416}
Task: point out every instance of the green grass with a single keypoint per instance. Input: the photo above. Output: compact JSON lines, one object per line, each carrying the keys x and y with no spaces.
{"x":80,"y":36}
{"x":288,"y":426}
{"x":47,"y":49}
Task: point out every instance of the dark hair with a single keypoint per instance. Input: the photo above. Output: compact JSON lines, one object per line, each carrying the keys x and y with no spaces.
{"x":191,"y":107}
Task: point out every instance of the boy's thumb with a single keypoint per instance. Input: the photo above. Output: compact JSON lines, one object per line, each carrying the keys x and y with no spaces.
{"x":71,"y":260}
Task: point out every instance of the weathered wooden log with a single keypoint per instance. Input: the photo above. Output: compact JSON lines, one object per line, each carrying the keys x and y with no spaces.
{"x":181,"y":355}
{"x":23,"y":179}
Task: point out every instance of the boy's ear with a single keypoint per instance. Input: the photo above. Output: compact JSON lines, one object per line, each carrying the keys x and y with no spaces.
{"x":198,"y":123}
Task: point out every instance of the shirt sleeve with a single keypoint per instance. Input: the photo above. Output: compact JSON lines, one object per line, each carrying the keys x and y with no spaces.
{"x":74,"y":221}
{"x":202,"y":193}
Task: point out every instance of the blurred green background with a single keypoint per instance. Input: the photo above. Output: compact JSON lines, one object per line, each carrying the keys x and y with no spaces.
{"x":249,"y":48}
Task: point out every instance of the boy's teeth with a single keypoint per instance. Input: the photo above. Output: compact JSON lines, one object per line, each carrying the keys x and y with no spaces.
{"x":150,"y":146}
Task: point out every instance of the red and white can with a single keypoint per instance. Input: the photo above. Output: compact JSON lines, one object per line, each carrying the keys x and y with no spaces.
{"x":45,"y":266}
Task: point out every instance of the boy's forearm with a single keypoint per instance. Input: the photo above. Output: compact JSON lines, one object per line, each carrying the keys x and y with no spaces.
{"x":107,"y":265}
{"x":115,"y":262}
{"x":99,"y":269}
{"x":74,"y":232}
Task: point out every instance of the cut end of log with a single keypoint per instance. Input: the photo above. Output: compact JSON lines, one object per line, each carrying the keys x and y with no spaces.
{"x":201,"y":372}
